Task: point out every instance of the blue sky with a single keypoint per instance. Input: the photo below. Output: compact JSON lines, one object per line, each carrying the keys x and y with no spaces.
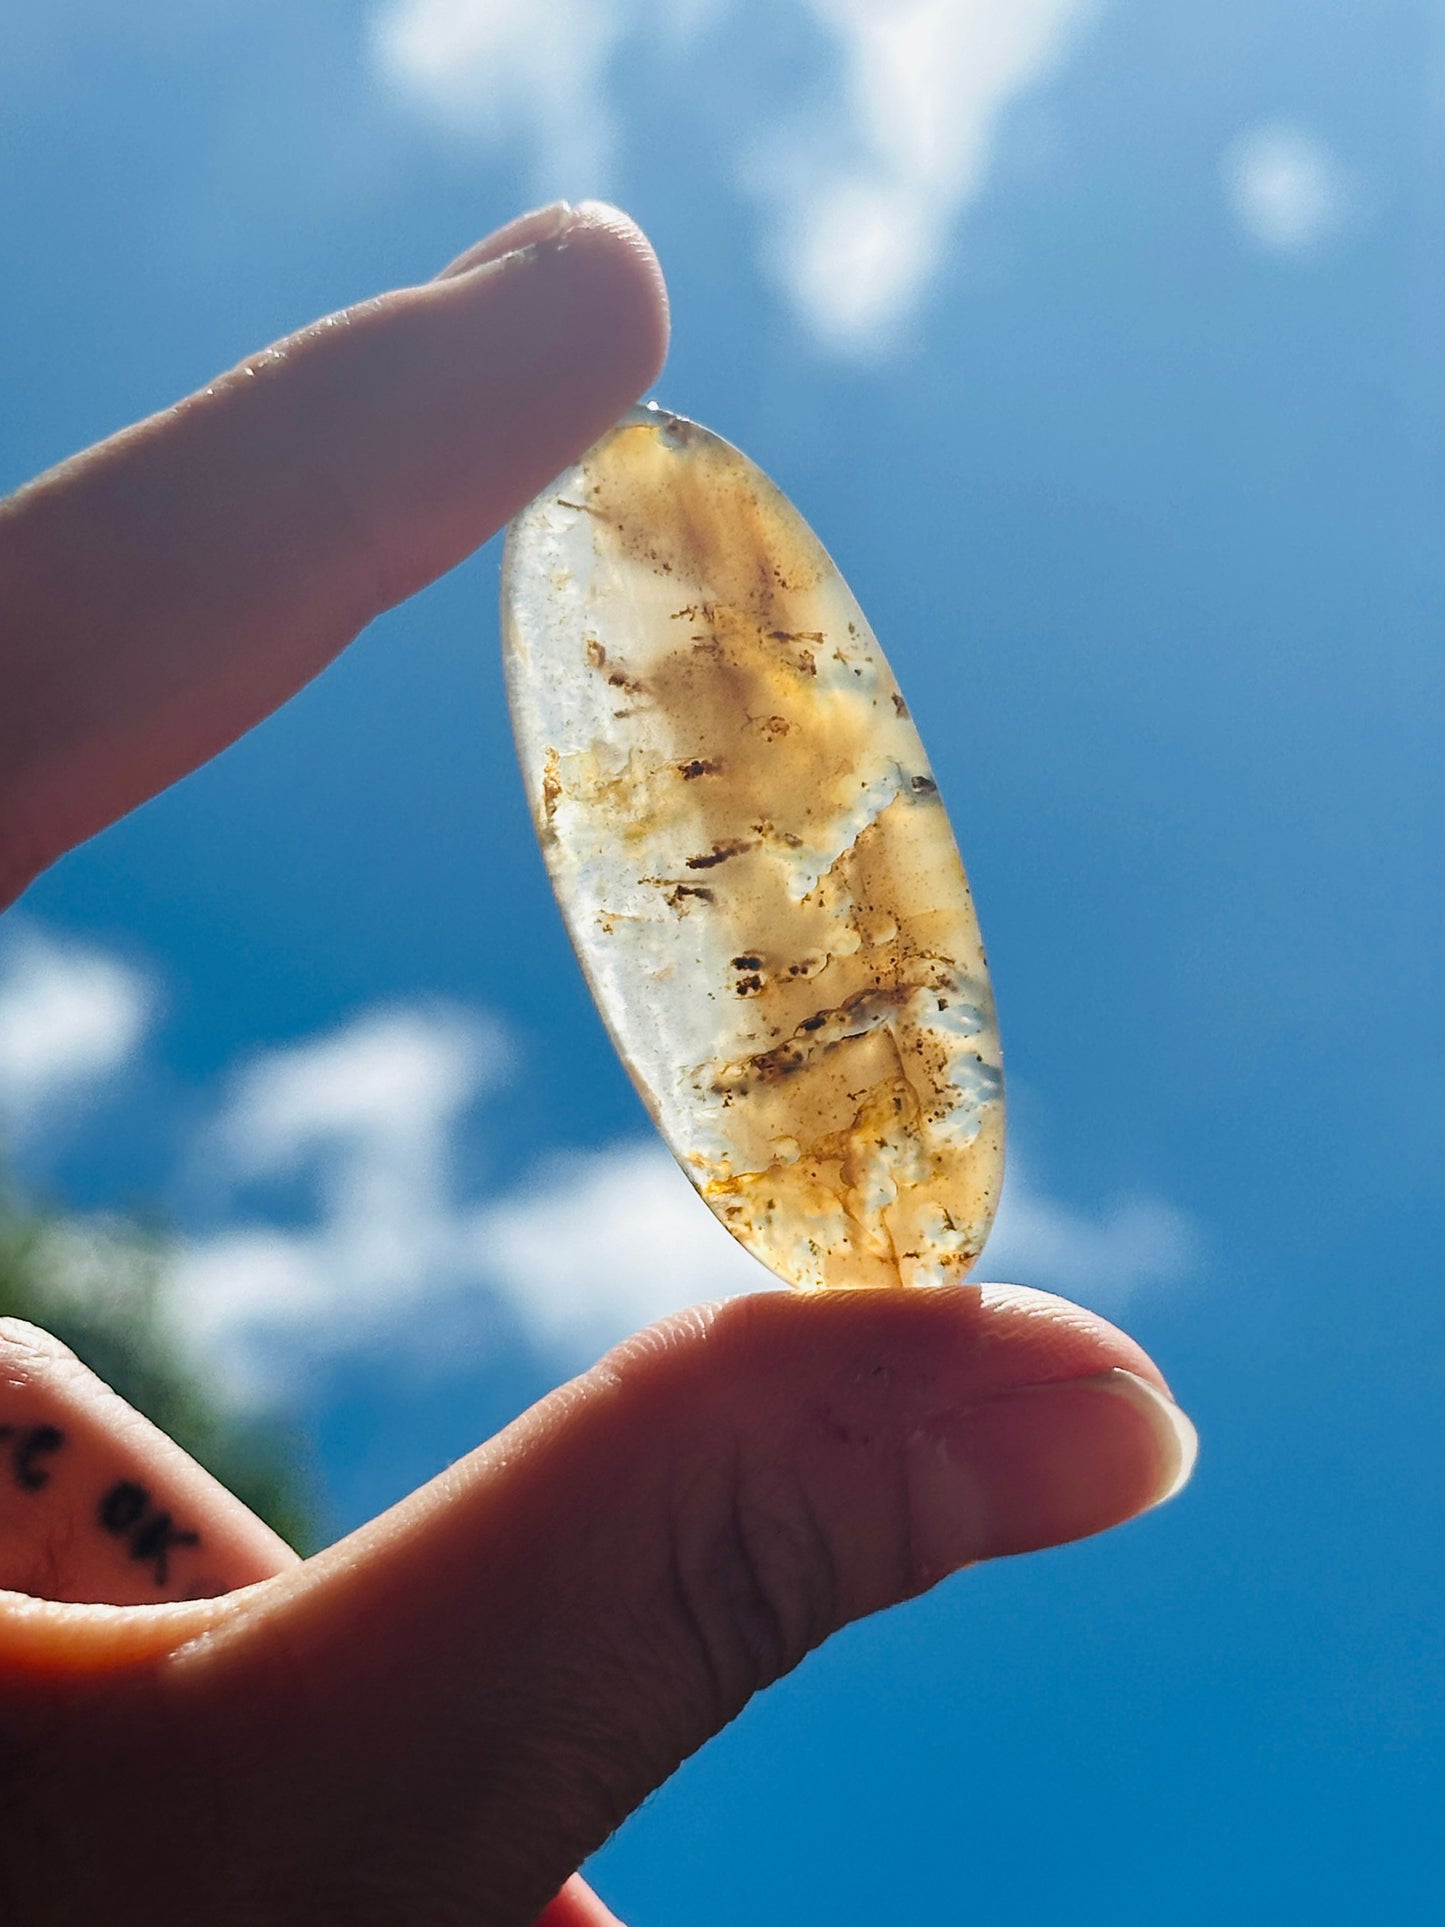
{"x":1100,"y":341}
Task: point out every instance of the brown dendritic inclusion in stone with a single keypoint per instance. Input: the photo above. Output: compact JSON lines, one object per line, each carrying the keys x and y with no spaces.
{"x":751,"y":854}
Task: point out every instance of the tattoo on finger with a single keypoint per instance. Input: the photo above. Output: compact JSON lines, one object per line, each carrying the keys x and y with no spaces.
{"x":125,"y":1511}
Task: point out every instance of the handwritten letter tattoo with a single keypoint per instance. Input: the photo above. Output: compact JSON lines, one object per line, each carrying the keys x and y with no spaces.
{"x":125,"y":1510}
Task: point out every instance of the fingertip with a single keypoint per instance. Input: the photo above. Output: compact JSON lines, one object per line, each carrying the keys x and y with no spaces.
{"x":292,"y":500}
{"x":1042,"y":1465}
{"x":538,"y":225}
{"x":1022,"y":1420}
{"x":629,"y":275}
{"x":989,"y":1336}
{"x":22,"y":1341}
{"x":503,"y":373}
{"x":1068,"y":1334}
{"x":614,"y":266}
{"x":100,"y":1506}
{"x":577,"y":1906}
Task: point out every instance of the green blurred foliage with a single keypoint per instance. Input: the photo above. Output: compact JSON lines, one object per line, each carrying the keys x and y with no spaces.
{"x":99,"y":1286}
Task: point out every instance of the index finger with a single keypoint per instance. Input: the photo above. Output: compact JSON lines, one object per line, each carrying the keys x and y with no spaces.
{"x":162,"y":592}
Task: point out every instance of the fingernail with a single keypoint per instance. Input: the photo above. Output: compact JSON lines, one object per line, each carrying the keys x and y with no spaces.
{"x":536,"y":229}
{"x":1044,"y":1464}
{"x":1174,"y":1429}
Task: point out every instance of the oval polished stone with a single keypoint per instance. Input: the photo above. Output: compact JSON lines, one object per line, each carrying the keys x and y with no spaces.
{"x":753,"y":860}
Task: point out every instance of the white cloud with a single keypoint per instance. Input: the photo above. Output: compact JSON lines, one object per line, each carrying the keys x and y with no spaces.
{"x":862,"y":203}
{"x":860,"y":185}
{"x":537,"y":71}
{"x":393,"y":1248}
{"x":1104,"y":1258}
{"x":601,"y":1243}
{"x":71,"y":1018}
{"x":390,"y":1085}
{"x":1287,"y":190}
{"x":591,"y":1246}
{"x":373,"y":1111}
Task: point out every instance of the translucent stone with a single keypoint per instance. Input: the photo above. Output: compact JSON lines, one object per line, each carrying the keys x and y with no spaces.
{"x":753,"y":860}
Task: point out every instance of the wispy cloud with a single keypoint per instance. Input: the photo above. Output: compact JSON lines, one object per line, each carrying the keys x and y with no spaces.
{"x":863,"y":203}
{"x":598,"y":1244}
{"x":371,"y":1114}
{"x":589,"y":1247}
{"x":71,"y":1019}
{"x":394,"y":1241}
{"x":386,"y":1089}
{"x":1105,"y":1257}
{"x":860,"y":185}
{"x":532,"y":71}
{"x":1287,"y":191}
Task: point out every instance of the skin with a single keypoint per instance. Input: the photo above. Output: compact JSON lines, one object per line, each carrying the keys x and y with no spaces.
{"x":437,"y":1719}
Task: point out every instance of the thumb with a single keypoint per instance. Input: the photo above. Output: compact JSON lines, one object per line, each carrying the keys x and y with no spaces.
{"x":466,"y":1698}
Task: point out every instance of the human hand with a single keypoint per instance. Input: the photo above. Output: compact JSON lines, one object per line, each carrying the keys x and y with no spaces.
{"x":437,"y":1719}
